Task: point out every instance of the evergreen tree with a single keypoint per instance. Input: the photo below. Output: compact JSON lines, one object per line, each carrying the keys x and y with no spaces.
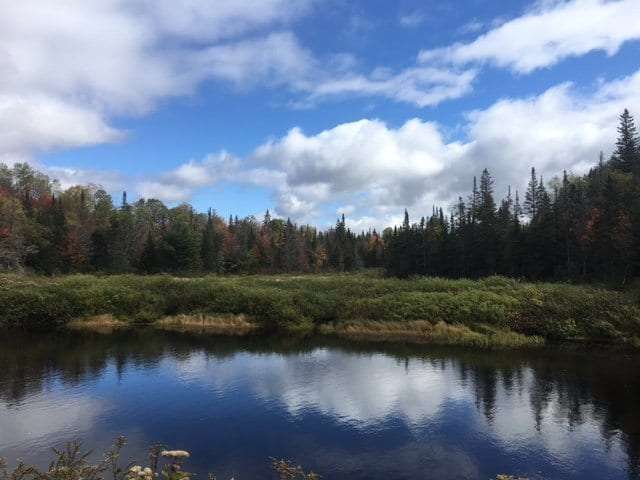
{"x":531,"y":196}
{"x":486,"y":232}
{"x":211,"y":248}
{"x":626,"y":157}
{"x":182,"y":248}
{"x":150,"y":257}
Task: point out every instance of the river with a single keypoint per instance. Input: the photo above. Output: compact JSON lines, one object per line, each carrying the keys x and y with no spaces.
{"x":356,"y":411}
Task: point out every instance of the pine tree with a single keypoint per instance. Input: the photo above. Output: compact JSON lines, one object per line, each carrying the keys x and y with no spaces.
{"x":531,"y":196}
{"x":626,"y":157}
{"x":486,"y":206}
{"x":211,"y":247}
{"x":486,"y":234}
{"x":517,"y":208}
{"x":474,"y":201}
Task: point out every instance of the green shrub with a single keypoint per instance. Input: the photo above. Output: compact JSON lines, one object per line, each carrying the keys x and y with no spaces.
{"x":552,"y":311}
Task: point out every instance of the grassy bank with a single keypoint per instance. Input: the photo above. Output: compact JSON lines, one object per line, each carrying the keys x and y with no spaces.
{"x":490,"y":312}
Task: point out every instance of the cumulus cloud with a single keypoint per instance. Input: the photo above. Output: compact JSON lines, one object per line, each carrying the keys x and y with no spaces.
{"x":180,"y":184}
{"x":376,"y":170}
{"x":70,"y":67}
{"x":43,"y":122}
{"x":382,"y":165}
{"x":549,"y":33}
{"x":66,"y":177}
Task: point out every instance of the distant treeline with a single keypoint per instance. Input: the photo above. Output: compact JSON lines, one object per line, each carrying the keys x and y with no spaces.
{"x":578,"y":227}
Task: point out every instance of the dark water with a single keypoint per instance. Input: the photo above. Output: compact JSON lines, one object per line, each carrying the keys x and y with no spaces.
{"x":344,"y":411}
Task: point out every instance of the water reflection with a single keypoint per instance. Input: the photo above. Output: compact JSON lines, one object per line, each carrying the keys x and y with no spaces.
{"x":344,"y":410}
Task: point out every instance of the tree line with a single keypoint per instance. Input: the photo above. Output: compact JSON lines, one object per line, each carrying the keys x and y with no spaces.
{"x":47,"y":230}
{"x":583,"y":227}
{"x":575,"y":227}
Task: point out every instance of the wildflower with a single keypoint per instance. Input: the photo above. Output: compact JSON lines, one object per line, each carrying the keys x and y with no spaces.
{"x":138,"y":473}
{"x":175,"y":453}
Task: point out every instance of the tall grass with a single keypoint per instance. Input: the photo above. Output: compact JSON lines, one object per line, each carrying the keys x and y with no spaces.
{"x":421,"y":331}
{"x":493,"y":307}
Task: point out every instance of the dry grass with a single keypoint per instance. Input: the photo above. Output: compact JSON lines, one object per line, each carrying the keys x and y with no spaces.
{"x":97,"y":323}
{"x":233,"y":325}
{"x":422,"y":331}
{"x":416,"y":330}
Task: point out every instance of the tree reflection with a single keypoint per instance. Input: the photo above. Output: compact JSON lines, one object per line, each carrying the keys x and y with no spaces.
{"x":571,"y":386}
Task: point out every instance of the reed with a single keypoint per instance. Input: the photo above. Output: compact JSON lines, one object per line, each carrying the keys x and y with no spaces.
{"x":232,"y":325}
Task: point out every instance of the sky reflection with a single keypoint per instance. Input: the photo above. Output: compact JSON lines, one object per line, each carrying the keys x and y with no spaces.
{"x":345,"y":412}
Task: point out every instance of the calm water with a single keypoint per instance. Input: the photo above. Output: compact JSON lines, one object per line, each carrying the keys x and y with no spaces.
{"x":344,"y":411}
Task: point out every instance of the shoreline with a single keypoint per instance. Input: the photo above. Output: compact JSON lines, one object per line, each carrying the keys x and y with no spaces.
{"x":419,"y":333}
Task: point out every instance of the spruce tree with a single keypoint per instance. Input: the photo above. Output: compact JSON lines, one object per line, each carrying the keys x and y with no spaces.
{"x":626,"y":157}
{"x":531,"y":196}
{"x":486,"y":233}
{"x":210,"y":247}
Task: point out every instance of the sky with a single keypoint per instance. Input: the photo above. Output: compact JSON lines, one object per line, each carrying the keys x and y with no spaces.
{"x":313,"y":108}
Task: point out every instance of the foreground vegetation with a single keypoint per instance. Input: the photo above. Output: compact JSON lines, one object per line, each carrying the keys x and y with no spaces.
{"x":494,"y":311}
{"x":71,"y":463}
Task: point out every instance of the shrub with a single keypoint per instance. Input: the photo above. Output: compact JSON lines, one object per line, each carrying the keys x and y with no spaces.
{"x":553,"y":311}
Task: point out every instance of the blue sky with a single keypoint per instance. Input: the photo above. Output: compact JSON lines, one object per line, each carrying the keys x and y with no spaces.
{"x":310,"y":107}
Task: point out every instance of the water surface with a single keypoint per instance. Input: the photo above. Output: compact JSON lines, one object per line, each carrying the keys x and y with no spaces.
{"x":345,"y":411}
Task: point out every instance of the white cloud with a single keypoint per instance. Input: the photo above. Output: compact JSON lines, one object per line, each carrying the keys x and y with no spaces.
{"x":112,"y":181}
{"x":275,"y":59}
{"x":207,"y":20}
{"x":180,"y":184}
{"x":43,"y":122}
{"x":376,"y":170}
{"x":366,"y":159}
{"x":70,"y":67}
{"x":549,"y":33}
{"x":560,"y":129}
{"x":420,"y":86}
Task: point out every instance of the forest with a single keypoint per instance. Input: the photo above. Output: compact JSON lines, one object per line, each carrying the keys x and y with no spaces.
{"x":577,"y":227}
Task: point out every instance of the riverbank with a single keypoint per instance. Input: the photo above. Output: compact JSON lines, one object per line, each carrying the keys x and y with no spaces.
{"x":492,"y":312}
